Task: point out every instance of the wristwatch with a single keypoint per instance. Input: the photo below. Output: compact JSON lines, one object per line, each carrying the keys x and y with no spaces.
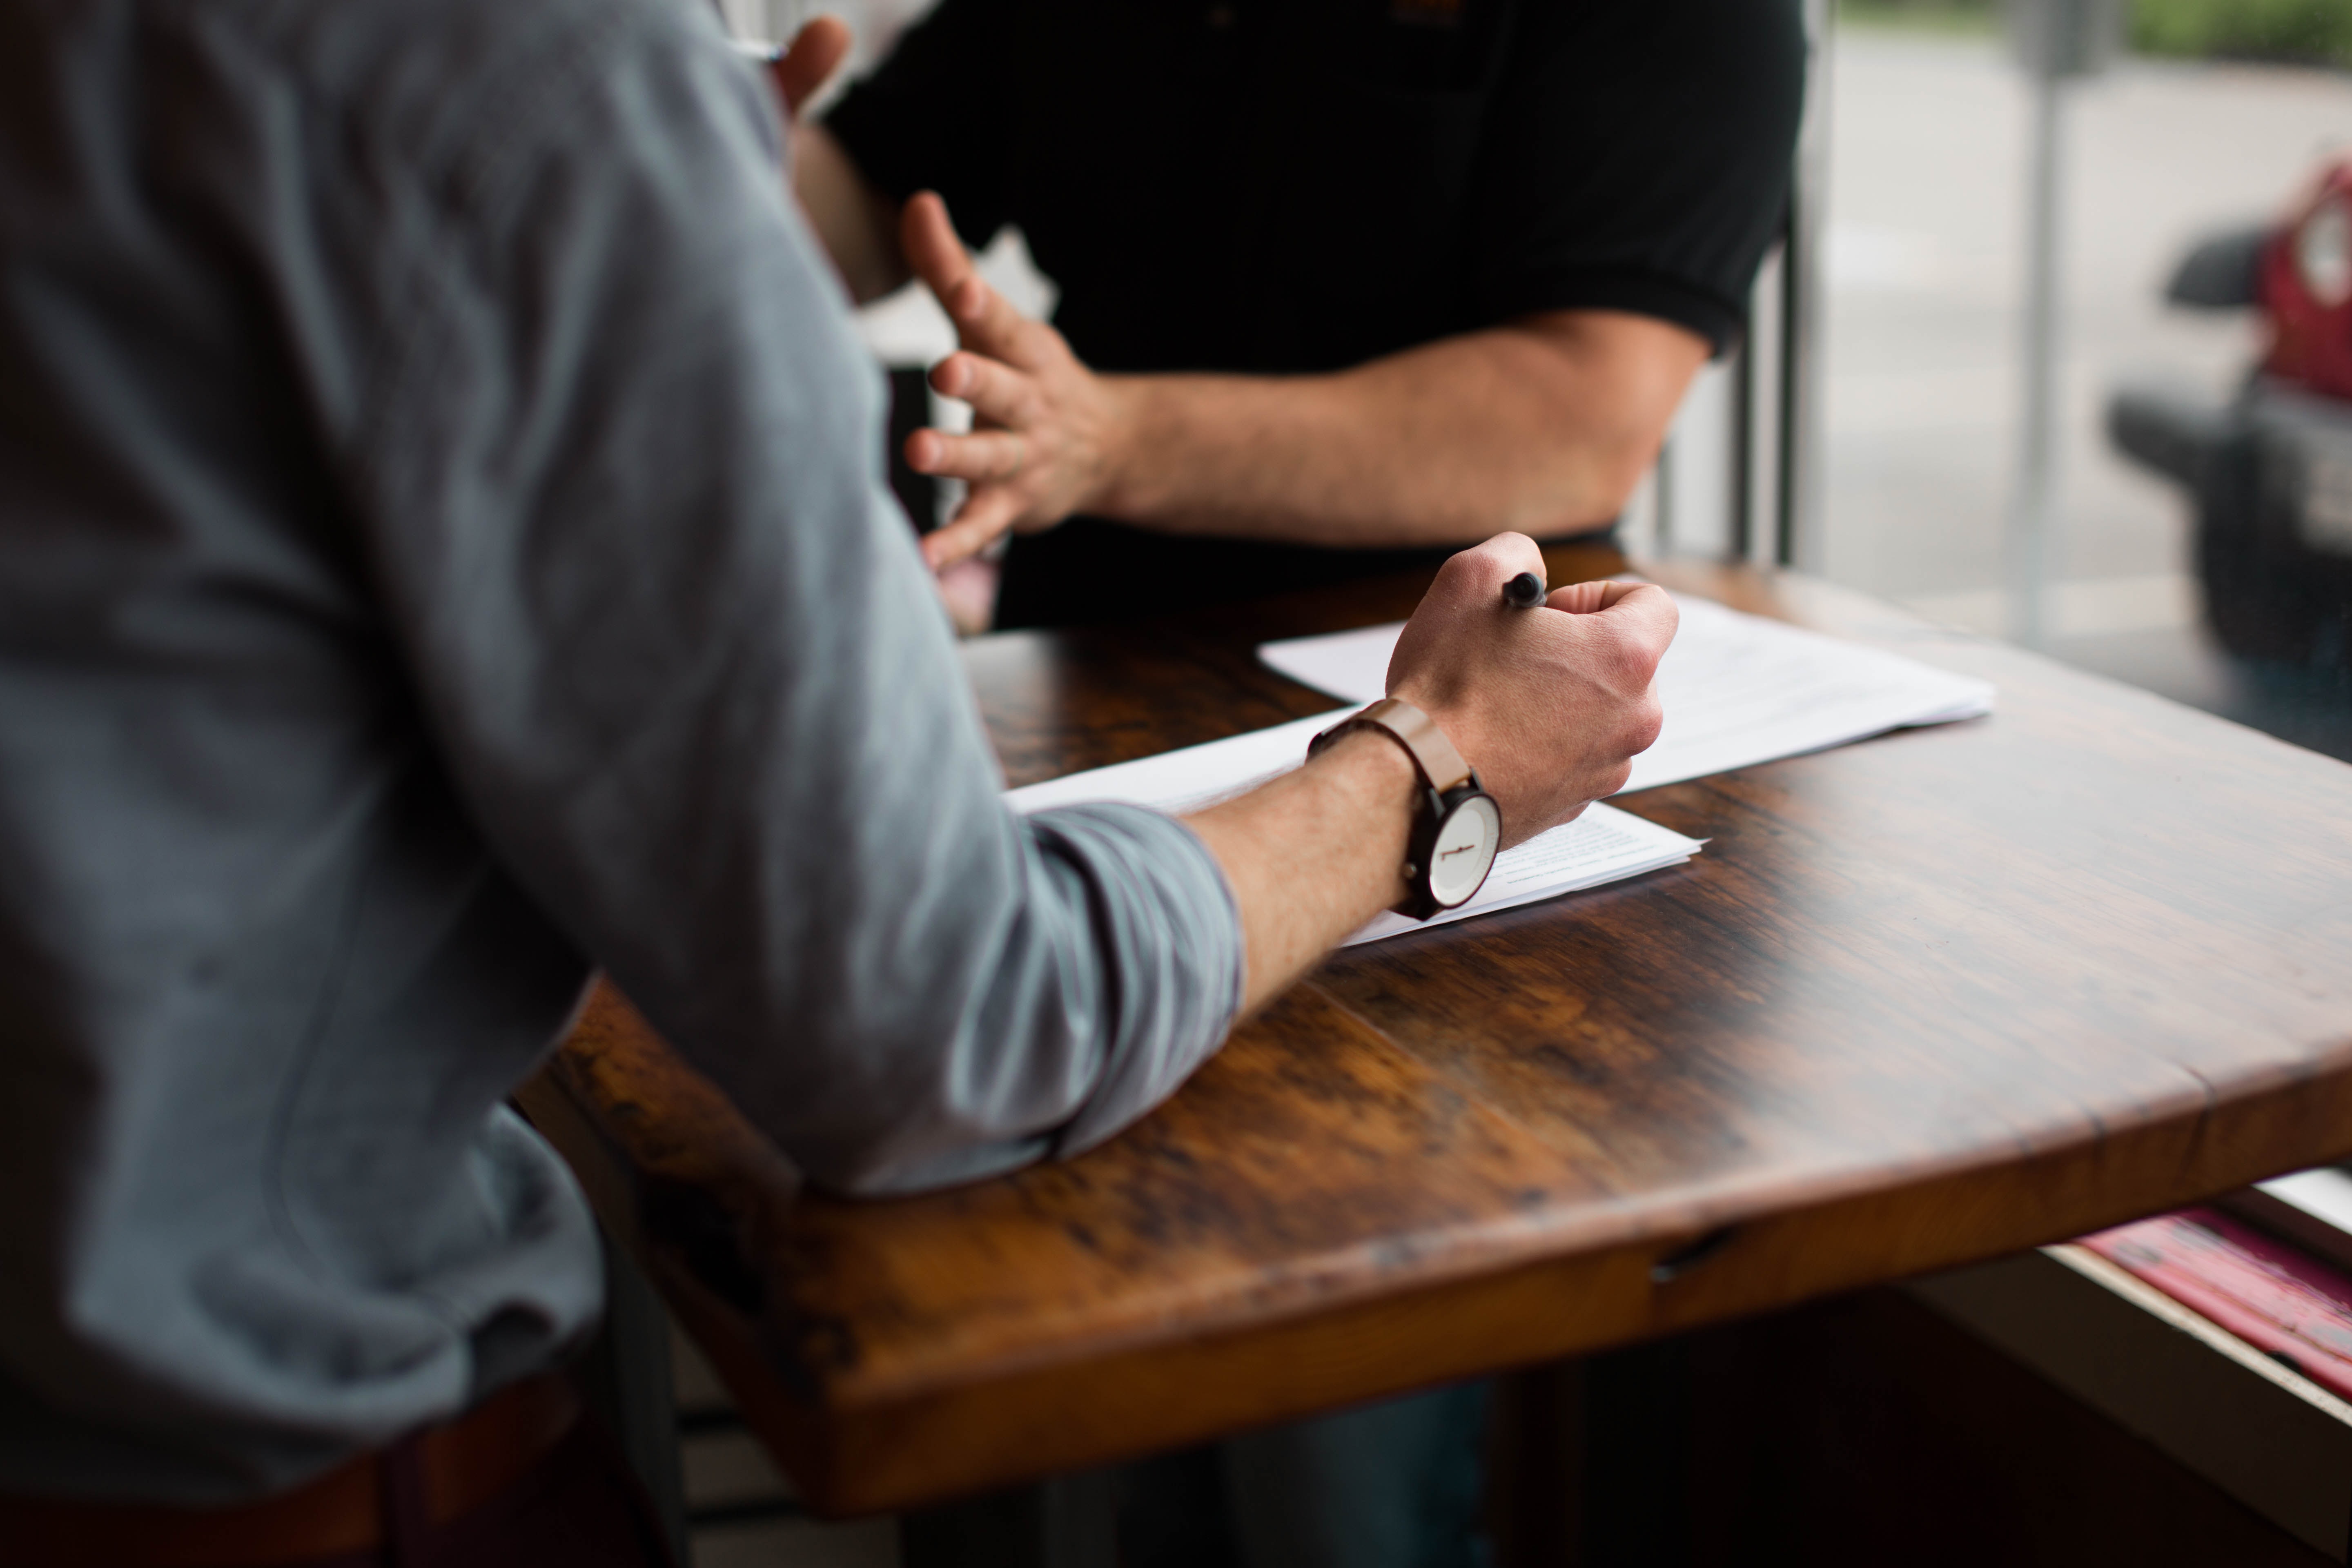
{"x":1456,"y":826}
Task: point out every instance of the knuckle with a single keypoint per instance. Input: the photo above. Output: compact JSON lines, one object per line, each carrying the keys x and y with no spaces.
{"x":1643,"y":724}
{"x":1041,"y":342}
{"x":1664,"y":618}
{"x":1644,"y":655}
{"x":1645,"y":644}
{"x":1505,"y":553}
{"x":1481,"y":566}
{"x":1621,"y":660}
{"x":1456,"y":576}
{"x":1669,"y":617}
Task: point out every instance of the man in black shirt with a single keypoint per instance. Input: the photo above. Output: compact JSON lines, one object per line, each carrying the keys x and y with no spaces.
{"x":1344,"y":283}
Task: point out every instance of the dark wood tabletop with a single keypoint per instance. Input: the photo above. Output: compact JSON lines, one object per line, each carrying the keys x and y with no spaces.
{"x":1923,"y":1000}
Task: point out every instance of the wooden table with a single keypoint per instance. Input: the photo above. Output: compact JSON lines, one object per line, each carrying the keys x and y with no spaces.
{"x":1934,"y":998}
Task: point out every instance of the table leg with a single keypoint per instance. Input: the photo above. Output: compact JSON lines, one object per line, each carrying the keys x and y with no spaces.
{"x":1069,"y":1522}
{"x":627,"y":1377}
{"x":1637,"y":1452}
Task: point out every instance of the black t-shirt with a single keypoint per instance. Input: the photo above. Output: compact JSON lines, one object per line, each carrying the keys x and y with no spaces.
{"x":1300,"y":186}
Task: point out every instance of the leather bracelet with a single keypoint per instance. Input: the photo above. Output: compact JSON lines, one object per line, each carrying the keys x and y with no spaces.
{"x":1449,"y":788}
{"x":1434,"y":756}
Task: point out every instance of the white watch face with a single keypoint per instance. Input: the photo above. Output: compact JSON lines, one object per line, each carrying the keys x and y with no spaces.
{"x":1466,"y":842}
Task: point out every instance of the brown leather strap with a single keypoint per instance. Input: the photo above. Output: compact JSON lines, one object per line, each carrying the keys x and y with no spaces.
{"x":1442,"y":767}
{"x":458,"y":1466}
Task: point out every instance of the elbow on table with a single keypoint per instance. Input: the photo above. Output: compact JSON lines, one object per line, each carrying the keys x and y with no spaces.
{"x":984,"y":1110}
{"x":901,"y":1159}
{"x":917,"y":1105}
{"x":1046,"y":1016}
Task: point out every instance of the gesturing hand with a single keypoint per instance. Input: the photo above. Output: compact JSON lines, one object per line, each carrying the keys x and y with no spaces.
{"x":1045,"y":430}
{"x":1551,"y":705}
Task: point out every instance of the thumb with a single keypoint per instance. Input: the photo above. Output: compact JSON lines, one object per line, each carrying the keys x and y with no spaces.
{"x":816,"y":52}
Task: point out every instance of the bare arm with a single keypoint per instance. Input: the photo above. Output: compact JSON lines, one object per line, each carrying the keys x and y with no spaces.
{"x":1313,"y":855}
{"x":1549,"y":705}
{"x":857,"y":224}
{"x":1543,"y":424}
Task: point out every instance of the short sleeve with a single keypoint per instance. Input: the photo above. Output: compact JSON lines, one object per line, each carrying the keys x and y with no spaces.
{"x":932,"y":117}
{"x":1637,"y":159}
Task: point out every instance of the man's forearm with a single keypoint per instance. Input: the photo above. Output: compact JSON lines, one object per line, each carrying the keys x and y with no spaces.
{"x":857,"y":224}
{"x":1543,"y":426}
{"x":1313,"y":855}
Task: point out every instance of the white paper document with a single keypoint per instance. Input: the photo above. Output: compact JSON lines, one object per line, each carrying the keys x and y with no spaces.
{"x":1738,"y":690}
{"x":1602,"y":845}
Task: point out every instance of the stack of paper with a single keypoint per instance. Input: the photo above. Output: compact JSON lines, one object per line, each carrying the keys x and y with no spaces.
{"x":1602,"y":846}
{"x":1738,"y":690}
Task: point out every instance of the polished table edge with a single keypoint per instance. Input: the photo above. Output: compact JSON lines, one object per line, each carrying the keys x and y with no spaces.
{"x":858,"y":1445}
{"x":866,"y":1451}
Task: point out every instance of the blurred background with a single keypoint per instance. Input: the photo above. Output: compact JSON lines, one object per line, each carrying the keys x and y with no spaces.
{"x":2220,"y":114}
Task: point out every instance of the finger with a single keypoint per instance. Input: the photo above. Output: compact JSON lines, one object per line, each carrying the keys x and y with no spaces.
{"x":996,"y":392}
{"x":929,"y":239}
{"x":1644,"y":607}
{"x":816,"y":52}
{"x":984,"y":516}
{"x":984,"y":320}
{"x":1640,"y":623}
{"x":1586,"y":598}
{"x":1480,"y":572}
{"x":979,"y":457}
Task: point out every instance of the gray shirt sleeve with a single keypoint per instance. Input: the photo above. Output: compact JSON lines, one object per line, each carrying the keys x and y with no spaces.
{"x":621,"y":486}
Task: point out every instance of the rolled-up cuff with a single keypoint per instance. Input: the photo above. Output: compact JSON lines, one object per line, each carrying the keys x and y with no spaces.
{"x":1170,"y":934}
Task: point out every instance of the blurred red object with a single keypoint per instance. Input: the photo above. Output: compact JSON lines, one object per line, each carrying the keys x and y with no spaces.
{"x":2306,"y":289}
{"x":2268,"y":467}
{"x":2278,"y":1299}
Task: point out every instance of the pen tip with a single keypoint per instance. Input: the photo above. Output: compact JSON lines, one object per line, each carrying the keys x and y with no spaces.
{"x":1524,"y":592}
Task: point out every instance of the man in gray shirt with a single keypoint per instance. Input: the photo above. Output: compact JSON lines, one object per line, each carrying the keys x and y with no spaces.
{"x":443,"y":548}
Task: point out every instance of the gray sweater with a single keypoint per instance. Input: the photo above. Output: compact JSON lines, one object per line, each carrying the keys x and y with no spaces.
{"x":443,"y":547}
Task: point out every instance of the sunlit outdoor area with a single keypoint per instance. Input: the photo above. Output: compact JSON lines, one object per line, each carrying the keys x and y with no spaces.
{"x":1924,"y":338}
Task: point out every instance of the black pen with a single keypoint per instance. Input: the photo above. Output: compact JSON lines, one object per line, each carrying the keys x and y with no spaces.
{"x":1524,"y":592}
